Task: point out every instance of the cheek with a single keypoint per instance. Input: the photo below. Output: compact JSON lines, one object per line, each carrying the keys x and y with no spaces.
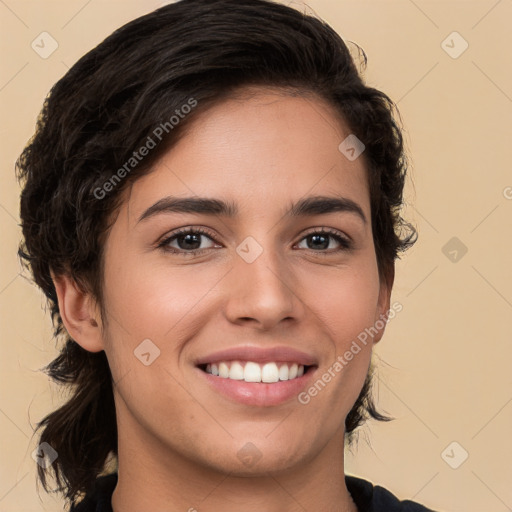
{"x":152,"y":298}
{"x":344,"y":300}
{"x":165,"y":305}
{"x":345,"y":304}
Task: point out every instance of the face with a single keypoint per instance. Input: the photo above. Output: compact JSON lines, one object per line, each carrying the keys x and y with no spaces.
{"x":258,"y":280}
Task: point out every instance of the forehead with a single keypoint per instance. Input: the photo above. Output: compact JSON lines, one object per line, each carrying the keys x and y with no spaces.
{"x":261,"y":149}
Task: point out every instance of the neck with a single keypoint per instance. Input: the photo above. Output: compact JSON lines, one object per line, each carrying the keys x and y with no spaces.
{"x":152,"y":476}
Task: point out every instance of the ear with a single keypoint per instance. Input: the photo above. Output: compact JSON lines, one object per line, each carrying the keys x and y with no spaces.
{"x":383,"y":305}
{"x":79,"y":313}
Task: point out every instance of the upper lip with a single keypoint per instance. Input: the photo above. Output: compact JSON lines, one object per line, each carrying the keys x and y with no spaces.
{"x":280,"y":354}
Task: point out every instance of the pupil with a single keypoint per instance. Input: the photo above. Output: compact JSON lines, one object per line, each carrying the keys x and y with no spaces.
{"x":324,"y":245}
{"x":187,"y":237}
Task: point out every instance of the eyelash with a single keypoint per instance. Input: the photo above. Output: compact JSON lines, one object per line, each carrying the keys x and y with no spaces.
{"x":164,"y":244}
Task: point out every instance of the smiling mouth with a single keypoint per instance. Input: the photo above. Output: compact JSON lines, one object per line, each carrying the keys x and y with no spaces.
{"x":250,"y":371}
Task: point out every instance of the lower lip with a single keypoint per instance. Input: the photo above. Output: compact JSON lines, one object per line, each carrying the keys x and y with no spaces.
{"x":259,"y":394}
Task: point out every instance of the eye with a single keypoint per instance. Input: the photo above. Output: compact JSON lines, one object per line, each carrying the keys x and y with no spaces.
{"x":187,"y":240}
{"x":320,"y":240}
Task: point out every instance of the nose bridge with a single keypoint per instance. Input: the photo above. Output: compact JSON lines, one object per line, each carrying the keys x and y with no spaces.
{"x":261,"y":284}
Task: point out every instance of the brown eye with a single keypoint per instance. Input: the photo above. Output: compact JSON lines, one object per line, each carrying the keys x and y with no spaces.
{"x":187,"y":242}
{"x":319,"y":241}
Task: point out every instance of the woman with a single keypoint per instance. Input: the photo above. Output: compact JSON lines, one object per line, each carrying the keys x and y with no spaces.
{"x":211,"y":204}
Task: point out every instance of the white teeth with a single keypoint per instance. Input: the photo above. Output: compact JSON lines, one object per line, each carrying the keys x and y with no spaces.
{"x":270,"y":373}
{"x":236,"y":372}
{"x":254,"y":372}
{"x":223,"y":370}
{"x":284,"y":372}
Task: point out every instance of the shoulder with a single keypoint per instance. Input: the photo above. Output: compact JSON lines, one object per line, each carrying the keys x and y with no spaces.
{"x":99,"y":498}
{"x":373,"y":498}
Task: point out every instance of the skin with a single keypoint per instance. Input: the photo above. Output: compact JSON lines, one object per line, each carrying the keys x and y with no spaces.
{"x":178,"y":437}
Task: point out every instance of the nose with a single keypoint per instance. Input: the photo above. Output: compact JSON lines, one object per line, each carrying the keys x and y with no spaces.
{"x":263,"y":293}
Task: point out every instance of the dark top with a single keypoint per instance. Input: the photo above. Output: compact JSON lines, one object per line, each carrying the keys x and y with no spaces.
{"x":366,"y":496}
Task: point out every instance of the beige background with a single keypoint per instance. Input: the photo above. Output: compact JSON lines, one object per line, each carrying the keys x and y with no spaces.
{"x":445,"y":359}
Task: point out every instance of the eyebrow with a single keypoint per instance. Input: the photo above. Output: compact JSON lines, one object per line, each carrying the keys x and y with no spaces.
{"x":315,"y":205}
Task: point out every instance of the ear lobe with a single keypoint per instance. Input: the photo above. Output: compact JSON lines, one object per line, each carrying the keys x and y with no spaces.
{"x":79,"y":313}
